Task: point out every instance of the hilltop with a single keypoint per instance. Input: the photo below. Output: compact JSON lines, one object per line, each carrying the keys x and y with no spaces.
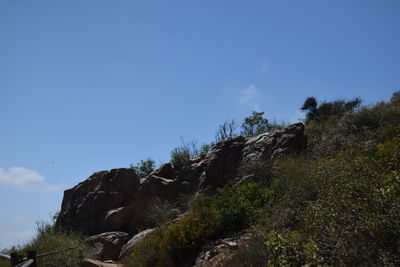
{"x":322,"y":192}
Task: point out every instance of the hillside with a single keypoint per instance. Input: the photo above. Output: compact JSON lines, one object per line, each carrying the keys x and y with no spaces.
{"x":325,"y":192}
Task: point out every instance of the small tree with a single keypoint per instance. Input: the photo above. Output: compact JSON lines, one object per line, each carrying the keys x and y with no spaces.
{"x":310,"y":105}
{"x":144,"y":168}
{"x":254,"y":125}
{"x":327,"y":110}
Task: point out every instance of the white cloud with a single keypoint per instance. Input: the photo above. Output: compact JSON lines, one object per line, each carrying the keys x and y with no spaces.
{"x":249,"y":94}
{"x":19,"y":176}
{"x":23,"y":178}
{"x":250,"y":97}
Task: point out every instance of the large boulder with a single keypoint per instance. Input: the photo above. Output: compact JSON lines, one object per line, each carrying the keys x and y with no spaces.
{"x":84,"y":205}
{"x":269,"y":146}
{"x":222,"y":160}
{"x":115,"y":219}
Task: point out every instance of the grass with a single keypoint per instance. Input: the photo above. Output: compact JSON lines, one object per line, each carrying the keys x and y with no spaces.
{"x":49,"y":239}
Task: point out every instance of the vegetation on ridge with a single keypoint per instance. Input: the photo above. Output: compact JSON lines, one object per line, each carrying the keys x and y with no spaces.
{"x":336,"y":204}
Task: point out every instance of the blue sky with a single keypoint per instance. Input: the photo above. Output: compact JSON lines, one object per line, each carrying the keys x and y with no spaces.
{"x":93,"y":85}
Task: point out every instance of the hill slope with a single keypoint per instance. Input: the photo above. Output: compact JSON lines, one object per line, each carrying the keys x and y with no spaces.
{"x":252,"y":202}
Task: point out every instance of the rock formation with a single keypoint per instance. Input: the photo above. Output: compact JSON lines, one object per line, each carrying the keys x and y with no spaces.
{"x":116,"y":200}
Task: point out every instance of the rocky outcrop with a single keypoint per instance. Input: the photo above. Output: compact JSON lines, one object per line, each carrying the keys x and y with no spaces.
{"x":97,"y":204}
{"x":220,"y":163}
{"x":222,"y":160}
{"x":165,"y":171}
{"x":220,"y":252}
{"x":269,"y":146}
{"x":116,"y":200}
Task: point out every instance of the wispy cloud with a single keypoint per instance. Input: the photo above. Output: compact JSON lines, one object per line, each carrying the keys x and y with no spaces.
{"x":26,"y":179}
{"x":264,"y":68}
{"x":251,"y":96}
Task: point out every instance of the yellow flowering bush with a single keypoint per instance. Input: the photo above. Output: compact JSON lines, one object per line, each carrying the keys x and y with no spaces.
{"x":232,"y":208}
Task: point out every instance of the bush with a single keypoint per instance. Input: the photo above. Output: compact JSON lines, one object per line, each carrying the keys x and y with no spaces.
{"x":288,"y":249}
{"x":343,"y":210}
{"x":232,"y":208}
{"x":360,"y":130}
{"x":179,"y":157}
{"x":327,"y":110}
{"x":161,"y":211}
{"x":357,"y":215}
{"x":144,"y":168}
{"x":50,"y":239}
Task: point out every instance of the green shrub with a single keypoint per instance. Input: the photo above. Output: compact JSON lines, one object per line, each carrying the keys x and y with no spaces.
{"x":357,"y":218}
{"x":144,"y":168}
{"x":179,"y":157}
{"x":346,"y":209}
{"x":169,"y":245}
{"x":288,"y":249}
{"x":360,"y":130}
{"x":238,"y":206}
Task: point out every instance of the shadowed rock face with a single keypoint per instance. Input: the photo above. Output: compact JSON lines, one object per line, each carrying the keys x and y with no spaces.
{"x":89,"y":206}
{"x":116,"y":200}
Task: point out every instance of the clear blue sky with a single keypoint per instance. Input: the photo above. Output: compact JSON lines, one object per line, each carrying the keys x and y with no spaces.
{"x":93,"y":85}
